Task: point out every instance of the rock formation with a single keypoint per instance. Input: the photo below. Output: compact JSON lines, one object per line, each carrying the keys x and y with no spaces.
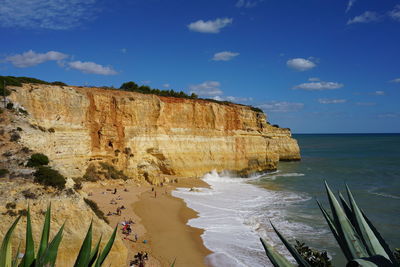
{"x":147,"y":135}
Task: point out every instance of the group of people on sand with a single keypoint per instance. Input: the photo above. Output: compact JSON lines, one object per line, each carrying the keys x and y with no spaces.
{"x":127,"y":230}
{"x":139,"y":259}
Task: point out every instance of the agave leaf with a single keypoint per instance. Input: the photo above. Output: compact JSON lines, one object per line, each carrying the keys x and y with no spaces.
{"x":276,"y":259}
{"x":370,"y":240}
{"x":347,"y":209}
{"x":15,"y":261}
{"x":299,"y":259}
{"x":5,"y":250}
{"x":50,"y":255}
{"x":84,"y":253}
{"x":381,"y":241}
{"x":173,"y":263}
{"x":44,"y":241}
{"x":107,"y":248}
{"x":376,"y":260}
{"x":29,"y":255}
{"x":353,"y":245}
{"x":334,"y":231}
{"x":94,"y":253}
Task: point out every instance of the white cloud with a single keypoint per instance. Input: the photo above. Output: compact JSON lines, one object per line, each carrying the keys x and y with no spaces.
{"x":331,"y":101}
{"x":350,"y":5}
{"x":145,"y":82}
{"x":378,"y":93}
{"x":224,"y":56}
{"x":300,"y":64}
{"x":248,"y":3}
{"x":124,"y":50}
{"x":395,"y":80}
{"x":207,"y":88}
{"x":395,"y":13}
{"x":31,"y":58}
{"x":318,"y":86}
{"x":365,"y":104}
{"x":166,"y":85}
{"x":275,"y":106}
{"x":314,"y":79}
{"x":366,"y":17}
{"x":234,"y":99}
{"x":210,"y":26}
{"x":46,"y":14}
{"x":388,"y":115}
{"x":91,"y":67}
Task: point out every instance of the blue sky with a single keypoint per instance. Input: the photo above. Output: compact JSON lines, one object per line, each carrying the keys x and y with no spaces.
{"x":313,"y":66}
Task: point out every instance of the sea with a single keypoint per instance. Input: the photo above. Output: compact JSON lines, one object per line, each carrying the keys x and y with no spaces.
{"x":235,"y":212}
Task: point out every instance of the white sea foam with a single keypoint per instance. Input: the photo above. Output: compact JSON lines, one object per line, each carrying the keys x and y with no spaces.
{"x":234,"y":214}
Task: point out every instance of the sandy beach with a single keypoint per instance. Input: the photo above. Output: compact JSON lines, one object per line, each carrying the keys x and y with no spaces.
{"x":159,"y":221}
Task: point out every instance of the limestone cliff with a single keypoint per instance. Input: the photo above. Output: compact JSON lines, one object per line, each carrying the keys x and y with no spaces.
{"x":147,"y":135}
{"x":66,"y":208}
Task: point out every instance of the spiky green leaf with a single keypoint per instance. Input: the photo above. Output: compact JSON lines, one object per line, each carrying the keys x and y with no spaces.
{"x":334,"y":231}
{"x":353,"y":244}
{"x":373,"y":261}
{"x":371,"y":242}
{"x":276,"y":259}
{"x":44,"y":241}
{"x":107,"y":248}
{"x":15,"y":261}
{"x":50,"y":255}
{"x":94,"y":253}
{"x":347,"y":210}
{"x":29,"y":256}
{"x":5,"y":250}
{"x":299,"y":259}
{"x":382,"y":241}
{"x":173,"y":263}
{"x":84,"y":253}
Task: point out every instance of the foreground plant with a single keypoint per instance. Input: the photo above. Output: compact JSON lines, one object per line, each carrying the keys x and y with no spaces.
{"x":47,"y":251}
{"x":359,"y":240}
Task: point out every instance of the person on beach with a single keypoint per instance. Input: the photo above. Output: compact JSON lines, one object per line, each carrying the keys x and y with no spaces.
{"x":115,"y":191}
{"x":155,"y":194}
{"x":118,"y":211}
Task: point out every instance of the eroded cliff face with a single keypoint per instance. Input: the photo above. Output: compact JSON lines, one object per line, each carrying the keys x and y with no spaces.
{"x":148,"y":135}
{"x":70,"y":209}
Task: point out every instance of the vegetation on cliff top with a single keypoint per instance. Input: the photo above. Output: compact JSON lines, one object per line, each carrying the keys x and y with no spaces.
{"x":127,"y":86}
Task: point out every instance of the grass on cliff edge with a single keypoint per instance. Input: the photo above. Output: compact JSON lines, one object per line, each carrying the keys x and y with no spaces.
{"x":127,"y":86}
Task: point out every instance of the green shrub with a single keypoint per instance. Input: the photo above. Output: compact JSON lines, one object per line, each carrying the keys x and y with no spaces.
{"x":313,"y":256}
{"x":58,"y":83}
{"x":144,"y":89}
{"x":38,"y":159}
{"x":48,"y":176}
{"x":96,"y":209}
{"x":10,"y":106}
{"x":256,"y":109}
{"x":111,"y":172}
{"x":23,"y":111}
{"x":15,"y":137}
{"x":3,"y":172}
{"x":91,"y":174}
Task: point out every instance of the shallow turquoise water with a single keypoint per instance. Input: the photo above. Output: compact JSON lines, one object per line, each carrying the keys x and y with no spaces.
{"x":368,"y":163}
